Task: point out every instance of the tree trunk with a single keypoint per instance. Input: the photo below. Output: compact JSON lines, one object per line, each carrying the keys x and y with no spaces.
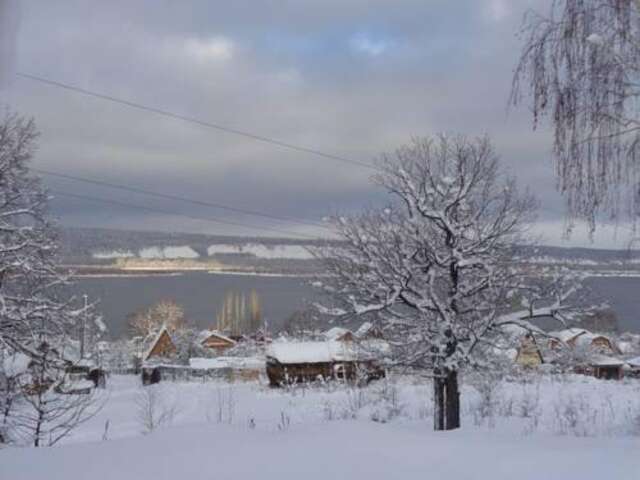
{"x":446,"y":397}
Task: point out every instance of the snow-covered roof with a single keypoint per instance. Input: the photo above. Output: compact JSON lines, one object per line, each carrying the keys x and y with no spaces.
{"x":336,"y":332}
{"x":568,"y":334}
{"x":85,"y":362}
{"x":156,"y":338}
{"x":606,"y":361}
{"x":585,"y":339}
{"x":204,"y":334}
{"x":634,"y":362}
{"x":317,"y":352}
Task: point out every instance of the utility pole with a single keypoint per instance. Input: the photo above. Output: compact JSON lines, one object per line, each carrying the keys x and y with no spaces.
{"x":83,"y":327}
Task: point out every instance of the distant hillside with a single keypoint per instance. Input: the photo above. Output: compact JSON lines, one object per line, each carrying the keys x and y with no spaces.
{"x":89,"y":246}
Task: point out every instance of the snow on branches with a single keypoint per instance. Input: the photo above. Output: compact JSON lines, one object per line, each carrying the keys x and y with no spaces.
{"x":435,"y":266}
{"x":32,"y":303}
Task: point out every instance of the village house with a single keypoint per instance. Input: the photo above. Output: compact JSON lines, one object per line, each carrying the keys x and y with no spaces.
{"x":578,"y":338}
{"x":300,"y":362}
{"x":528,"y":353}
{"x":215,"y":340}
{"x":159,"y":346}
{"x":607,"y":368}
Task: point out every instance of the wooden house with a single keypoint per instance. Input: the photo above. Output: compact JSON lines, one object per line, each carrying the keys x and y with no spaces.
{"x":301,"y":362}
{"x":528,"y":352}
{"x":215,"y":340}
{"x":161,"y":345}
{"x":607,"y":368}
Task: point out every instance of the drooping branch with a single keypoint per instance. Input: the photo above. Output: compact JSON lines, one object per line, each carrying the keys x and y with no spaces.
{"x":580,"y":69}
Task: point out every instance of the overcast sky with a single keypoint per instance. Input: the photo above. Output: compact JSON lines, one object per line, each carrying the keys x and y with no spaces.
{"x":350,"y":78}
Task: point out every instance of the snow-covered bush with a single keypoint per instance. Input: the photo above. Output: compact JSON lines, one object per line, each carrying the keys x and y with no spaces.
{"x":387,"y":404}
{"x":487,"y":384}
{"x":154,"y":410}
{"x":225,"y":405}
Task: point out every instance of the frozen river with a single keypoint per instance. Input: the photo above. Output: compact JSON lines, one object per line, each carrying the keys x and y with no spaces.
{"x":202,"y":294}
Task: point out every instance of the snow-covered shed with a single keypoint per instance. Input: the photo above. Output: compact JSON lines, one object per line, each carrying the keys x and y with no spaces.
{"x":607,"y":368}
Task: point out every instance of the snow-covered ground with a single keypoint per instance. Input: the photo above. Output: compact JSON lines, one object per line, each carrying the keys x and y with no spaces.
{"x":570,"y":428}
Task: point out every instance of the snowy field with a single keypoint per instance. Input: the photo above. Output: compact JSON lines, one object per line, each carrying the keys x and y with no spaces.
{"x":551,"y":428}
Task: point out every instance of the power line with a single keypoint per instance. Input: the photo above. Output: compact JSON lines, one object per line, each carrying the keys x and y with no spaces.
{"x":178,"y":214}
{"x":179,"y":198}
{"x":196,"y":121}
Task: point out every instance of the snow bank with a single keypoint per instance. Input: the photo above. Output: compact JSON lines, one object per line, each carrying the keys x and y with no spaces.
{"x":263,"y":251}
{"x":317,"y":442}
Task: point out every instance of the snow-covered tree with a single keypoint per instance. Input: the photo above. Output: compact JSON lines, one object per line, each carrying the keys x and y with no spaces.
{"x":164,"y":313}
{"x":433,"y":266}
{"x":49,"y":408}
{"x":580,"y":67}
{"x":35,"y":308}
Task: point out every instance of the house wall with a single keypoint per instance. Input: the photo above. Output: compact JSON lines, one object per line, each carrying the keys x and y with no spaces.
{"x":164,"y":347}
{"x":217,"y":343}
{"x":528,"y":353}
{"x":280,"y":374}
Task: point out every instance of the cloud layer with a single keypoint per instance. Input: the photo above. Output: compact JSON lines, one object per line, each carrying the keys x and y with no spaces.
{"x":352,"y":79}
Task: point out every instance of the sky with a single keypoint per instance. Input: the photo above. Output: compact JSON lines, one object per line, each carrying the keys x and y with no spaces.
{"x":351,"y":79}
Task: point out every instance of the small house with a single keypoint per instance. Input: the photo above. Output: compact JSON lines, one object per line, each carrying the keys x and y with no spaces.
{"x":528,"y":352}
{"x":215,"y":340}
{"x":607,"y":368}
{"x":161,"y":345}
{"x":300,"y":362}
